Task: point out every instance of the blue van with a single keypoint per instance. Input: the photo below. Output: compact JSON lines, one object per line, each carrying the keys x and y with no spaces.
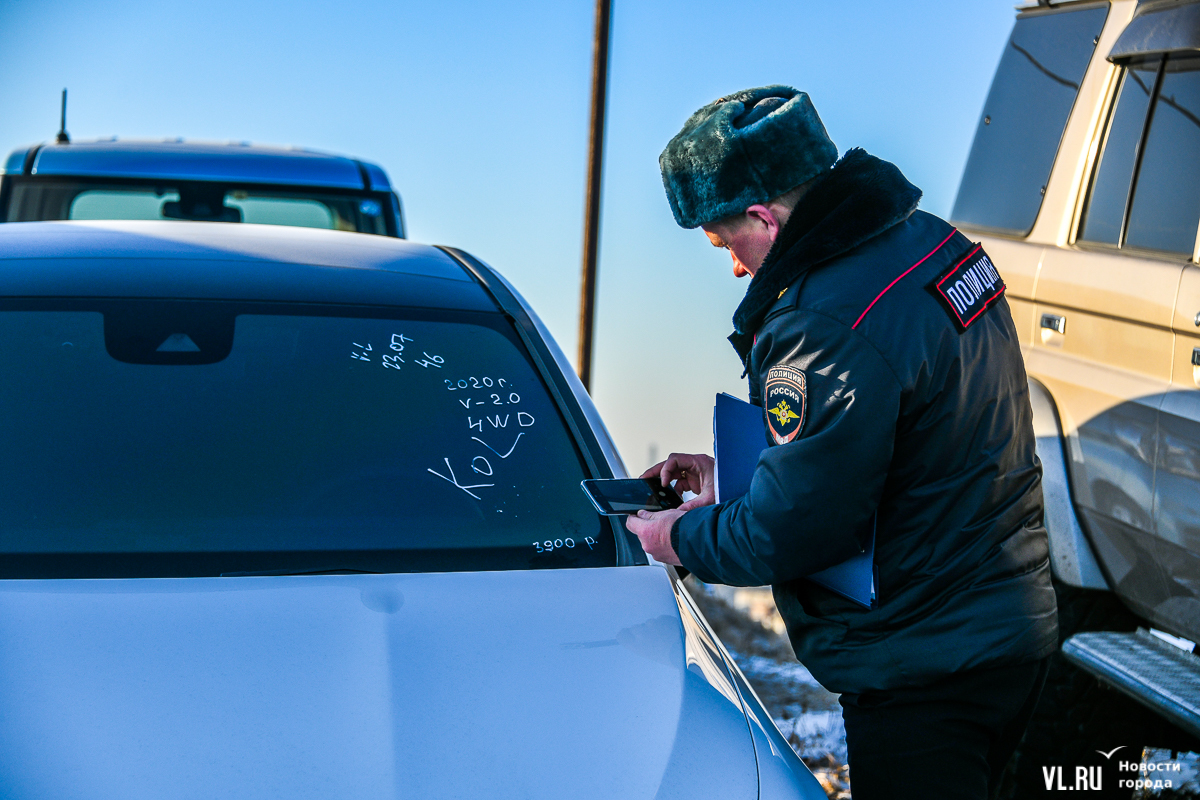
{"x":201,"y":181}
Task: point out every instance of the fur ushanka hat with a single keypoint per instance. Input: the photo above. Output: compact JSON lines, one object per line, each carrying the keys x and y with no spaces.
{"x":745,"y":148}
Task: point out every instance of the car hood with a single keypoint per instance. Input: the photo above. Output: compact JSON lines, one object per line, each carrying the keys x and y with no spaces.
{"x":570,"y":683}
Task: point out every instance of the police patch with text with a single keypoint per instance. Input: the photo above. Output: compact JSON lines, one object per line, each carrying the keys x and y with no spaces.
{"x":968,"y":288}
{"x":786,"y":397}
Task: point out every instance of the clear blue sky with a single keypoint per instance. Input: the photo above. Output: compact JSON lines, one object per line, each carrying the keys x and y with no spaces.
{"x":479,"y":112}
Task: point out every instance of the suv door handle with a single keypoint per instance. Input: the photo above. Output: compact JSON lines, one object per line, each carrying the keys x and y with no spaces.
{"x":1196,"y":356}
{"x":1055,"y":322}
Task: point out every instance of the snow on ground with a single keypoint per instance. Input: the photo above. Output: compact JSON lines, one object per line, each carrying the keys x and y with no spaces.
{"x":806,"y":714}
{"x":811,"y":722}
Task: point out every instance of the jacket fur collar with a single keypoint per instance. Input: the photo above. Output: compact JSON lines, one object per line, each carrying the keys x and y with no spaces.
{"x":858,"y":199}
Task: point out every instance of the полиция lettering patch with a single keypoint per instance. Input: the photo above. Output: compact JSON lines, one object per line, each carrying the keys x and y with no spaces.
{"x":968,"y":288}
{"x":786,"y":398}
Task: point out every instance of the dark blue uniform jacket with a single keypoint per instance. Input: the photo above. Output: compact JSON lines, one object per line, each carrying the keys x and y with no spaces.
{"x":879,"y":342}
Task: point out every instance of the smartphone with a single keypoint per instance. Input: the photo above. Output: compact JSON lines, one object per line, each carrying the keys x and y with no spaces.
{"x":616,"y":496}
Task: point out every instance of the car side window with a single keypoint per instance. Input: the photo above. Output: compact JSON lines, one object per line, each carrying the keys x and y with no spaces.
{"x":1023,"y":118}
{"x":1105,"y":212}
{"x":1145,"y":190}
{"x":1166,"y":199}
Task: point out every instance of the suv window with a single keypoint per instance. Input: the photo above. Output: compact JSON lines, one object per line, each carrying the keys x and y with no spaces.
{"x":1144,"y":191}
{"x":1166,"y":200}
{"x":1105,"y":214}
{"x":172,"y":438}
{"x":1024,"y":117}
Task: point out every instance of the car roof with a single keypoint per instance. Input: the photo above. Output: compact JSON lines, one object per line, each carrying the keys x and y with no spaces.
{"x":222,"y":261}
{"x":239,"y":162}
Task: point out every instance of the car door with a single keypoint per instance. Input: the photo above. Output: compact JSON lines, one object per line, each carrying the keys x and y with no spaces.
{"x":1106,"y":346}
{"x":1177,"y":488}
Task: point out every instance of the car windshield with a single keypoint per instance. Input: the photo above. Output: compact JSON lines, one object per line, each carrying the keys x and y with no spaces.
{"x":52,"y":199}
{"x":174,"y":438}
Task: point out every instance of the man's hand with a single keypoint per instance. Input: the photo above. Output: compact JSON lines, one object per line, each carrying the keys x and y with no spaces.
{"x":689,"y":473}
{"x":653,"y":529}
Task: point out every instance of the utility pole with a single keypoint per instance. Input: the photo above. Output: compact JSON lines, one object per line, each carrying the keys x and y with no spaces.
{"x":591,"y":224}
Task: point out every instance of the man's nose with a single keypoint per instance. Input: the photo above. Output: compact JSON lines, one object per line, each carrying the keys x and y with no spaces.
{"x":739,"y":269}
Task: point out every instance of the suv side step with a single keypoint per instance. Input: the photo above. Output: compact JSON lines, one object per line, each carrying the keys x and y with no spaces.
{"x":1157,"y":674}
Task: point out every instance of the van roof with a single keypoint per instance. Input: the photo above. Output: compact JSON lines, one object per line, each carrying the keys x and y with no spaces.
{"x":176,"y":159}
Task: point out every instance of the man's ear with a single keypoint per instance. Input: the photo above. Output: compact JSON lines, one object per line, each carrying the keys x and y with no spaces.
{"x":761,"y":215}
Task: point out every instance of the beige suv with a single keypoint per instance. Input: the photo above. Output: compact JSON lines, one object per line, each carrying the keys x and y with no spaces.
{"x":1083,"y":183}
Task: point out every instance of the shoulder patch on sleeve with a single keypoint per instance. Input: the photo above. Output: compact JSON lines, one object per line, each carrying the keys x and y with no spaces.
{"x":785,"y":400}
{"x":968,"y":288}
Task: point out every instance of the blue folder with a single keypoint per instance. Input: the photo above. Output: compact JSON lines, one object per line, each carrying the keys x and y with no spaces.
{"x":739,"y":437}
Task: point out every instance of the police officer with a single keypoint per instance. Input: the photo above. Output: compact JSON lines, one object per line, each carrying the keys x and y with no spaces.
{"x":879,"y":342}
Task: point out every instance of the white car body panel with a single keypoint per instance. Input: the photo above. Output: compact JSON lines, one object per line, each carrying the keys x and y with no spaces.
{"x":572,"y":683}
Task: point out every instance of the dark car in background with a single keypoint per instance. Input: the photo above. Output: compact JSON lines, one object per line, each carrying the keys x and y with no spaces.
{"x":200,"y":181}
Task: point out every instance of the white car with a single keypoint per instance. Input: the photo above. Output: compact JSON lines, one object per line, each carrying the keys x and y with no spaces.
{"x":296,"y":513}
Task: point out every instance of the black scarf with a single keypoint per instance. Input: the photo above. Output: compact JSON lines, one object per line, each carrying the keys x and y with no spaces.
{"x":860,"y":198}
